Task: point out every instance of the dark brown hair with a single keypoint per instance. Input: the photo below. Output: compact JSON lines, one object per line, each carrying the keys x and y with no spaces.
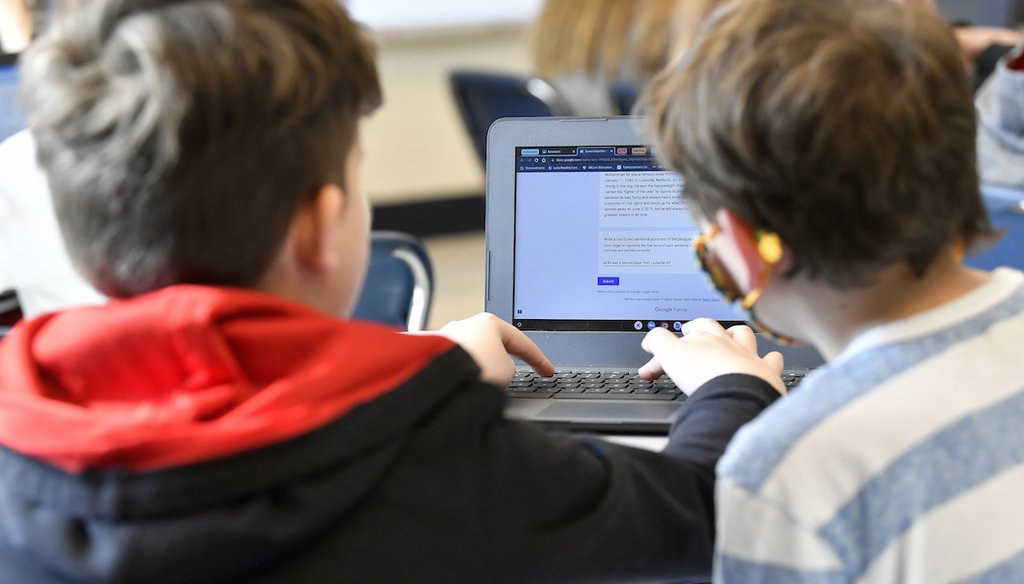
{"x":180,"y":137}
{"x":846,"y":126}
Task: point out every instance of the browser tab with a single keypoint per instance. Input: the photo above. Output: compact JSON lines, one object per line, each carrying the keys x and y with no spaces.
{"x":596,"y":151}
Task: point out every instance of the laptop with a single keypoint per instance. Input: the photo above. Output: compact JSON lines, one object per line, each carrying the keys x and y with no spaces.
{"x":588,"y":248}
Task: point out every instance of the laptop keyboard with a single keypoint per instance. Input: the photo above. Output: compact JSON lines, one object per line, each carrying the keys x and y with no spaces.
{"x":603,"y":385}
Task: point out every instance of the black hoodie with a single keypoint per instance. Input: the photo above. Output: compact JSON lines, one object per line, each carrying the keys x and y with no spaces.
{"x":428,"y":482}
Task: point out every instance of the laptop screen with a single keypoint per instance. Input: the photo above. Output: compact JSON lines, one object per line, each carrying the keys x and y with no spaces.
{"x":603,"y":243}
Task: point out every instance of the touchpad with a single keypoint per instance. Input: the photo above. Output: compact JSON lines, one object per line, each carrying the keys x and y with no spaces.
{"x":608,"y":412}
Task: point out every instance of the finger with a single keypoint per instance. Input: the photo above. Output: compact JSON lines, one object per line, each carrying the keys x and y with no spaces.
{"x":651,"y":369}
{"x":744,"y":335}
{"x":703,"y":324}
{"x":658,"y":341}
{"x":520,"y":345}
{"x":775,"y":361}
{"x":508,"y":371}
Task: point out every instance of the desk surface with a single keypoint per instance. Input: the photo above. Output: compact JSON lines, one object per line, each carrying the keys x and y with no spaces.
{"x":655,"y":443}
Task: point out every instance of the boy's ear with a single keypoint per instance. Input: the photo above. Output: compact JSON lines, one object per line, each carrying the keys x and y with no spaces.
{"x":739,"y":250}
{"x":314,"y":226}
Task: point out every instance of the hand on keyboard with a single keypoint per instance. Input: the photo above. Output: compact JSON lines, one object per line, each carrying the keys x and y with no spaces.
{"x":490,"y":341}
{"x":705,"y":351}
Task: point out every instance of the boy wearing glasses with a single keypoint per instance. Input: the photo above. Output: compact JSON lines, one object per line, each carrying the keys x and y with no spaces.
{"x":828,"y":150}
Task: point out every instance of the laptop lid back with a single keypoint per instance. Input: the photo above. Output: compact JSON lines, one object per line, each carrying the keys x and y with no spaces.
{"x":589,"y":242}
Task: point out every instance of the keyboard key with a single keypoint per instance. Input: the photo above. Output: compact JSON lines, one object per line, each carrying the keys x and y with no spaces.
{"x":792,"y":380}
{"x":609,"y":395}
{"x":592,"y":384}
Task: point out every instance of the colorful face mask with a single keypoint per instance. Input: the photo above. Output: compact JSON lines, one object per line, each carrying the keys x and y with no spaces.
{"x":769,"y":249}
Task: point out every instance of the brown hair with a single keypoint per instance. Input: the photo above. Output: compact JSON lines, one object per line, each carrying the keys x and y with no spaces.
{"x":688,"y":18}
{"x":180,"y":137}
{"x":847,"y":127}
{"x":617,"y":40}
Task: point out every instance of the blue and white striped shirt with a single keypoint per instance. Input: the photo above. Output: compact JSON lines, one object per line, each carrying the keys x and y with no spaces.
{"x":900,"y":461}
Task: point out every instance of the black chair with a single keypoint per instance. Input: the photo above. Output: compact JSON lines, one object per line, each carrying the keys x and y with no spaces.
{"x":625,"y":96}
{"x":1006,"y":211}
{"x":485,"y":97}
{"x":398,"y":289}
{"x":10,"y":311}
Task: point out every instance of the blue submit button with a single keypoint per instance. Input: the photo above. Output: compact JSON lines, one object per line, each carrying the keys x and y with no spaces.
{"x":607,"y":280}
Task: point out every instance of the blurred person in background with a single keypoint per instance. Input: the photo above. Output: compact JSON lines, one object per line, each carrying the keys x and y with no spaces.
{"x":21,"y":20}
{"x":981,"y":46}
{"x":586,"y":48}
{"x":1000,"y":103}
{"x":997,"y":58}
{"x":15,"y":26}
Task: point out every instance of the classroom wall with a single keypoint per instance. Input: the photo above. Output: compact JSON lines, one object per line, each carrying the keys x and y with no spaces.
{"x":416,"y":147}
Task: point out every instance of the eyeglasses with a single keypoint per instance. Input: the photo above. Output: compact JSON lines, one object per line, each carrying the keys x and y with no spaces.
{"x":768,"y":247}
{"x":716,"y":272}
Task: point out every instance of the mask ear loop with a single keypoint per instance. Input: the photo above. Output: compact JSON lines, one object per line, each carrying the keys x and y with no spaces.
{"x":769,"y":249}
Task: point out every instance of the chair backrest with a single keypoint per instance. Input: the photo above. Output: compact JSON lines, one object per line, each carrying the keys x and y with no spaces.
{"x":398,"y":289}
{"x":625,"y":96}
{"x":1006,"y":211}
{"x":12,"y":117}
{"x":10,"y":311}
{"x":484,"y":97}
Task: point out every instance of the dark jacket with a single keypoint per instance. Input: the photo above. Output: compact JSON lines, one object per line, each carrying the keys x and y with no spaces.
{"x":424,"y":482}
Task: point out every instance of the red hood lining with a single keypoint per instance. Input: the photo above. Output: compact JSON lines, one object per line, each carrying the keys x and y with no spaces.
{"x":188,"y":374}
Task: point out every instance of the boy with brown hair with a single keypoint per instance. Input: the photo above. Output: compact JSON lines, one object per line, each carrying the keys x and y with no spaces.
{"x":215,"y":422}
{"x":828,"y":151}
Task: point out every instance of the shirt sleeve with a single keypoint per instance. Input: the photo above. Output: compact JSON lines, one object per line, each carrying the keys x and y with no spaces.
{"x":714,"y":413}
{"x":760,"y":542}
{"x":611,"y":512}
